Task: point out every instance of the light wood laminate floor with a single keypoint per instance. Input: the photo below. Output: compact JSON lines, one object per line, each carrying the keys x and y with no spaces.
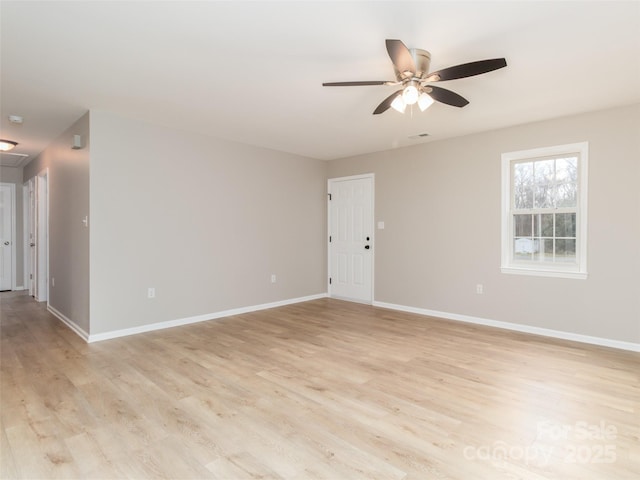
{"x":323,"y":389}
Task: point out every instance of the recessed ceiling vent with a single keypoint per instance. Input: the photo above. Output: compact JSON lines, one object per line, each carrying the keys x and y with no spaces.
{"x":419,"y":136}
{"x":13,"y":159}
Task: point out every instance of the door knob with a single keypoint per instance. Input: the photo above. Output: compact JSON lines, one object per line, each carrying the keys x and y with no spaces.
{"x":32,"y":244}
{"x":6,"y":243}
{"x":367,"y":247}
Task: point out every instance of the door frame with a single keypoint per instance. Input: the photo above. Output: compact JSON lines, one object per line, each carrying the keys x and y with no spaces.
{"x":42,"y":234}
{"x":12,"y":189}
{"x":38,"y":217}
{"x":26,"y":252}
{"x":330,"y":182}
{"x":30,"y":255}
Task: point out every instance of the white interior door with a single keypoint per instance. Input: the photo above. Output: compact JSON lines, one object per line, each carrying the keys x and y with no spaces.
{"x":31,"y":238}
{"x":351,"y":238}
{"x":7,"y":193}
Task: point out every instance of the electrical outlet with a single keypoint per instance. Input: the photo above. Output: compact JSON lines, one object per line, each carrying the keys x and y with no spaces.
{"x":151,"y":292}
{"x":273,"y":278}
{"x":479,"y":289}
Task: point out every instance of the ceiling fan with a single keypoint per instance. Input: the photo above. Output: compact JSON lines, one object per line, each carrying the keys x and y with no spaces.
{"x":412,"y":73}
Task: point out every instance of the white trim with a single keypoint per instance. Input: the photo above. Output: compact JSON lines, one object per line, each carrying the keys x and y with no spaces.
{"x":539,"y":272}
{"x":98,"y":337}
{"x":28,"y":188}
{"x":546,"y":332}
{"x":351,"y":177}
{"x":14,"y":258}
{"x":42,"y":230}
{"x":19,"y":287}
{"x":79,"y":331}
{"x":352,"y":300}
{"x":26,"y":254}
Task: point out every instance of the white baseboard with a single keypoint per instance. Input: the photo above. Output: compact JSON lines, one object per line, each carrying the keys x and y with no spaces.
{"x":98,"y":337}
{"x":84,"y":335}
{"x":18,"y":288}
{"x":605,"y":342}
{"x":576,"y":337}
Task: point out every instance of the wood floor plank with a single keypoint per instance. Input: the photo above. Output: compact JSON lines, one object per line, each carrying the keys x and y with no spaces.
{"x":320,"y":390}
{"x":7,"y":463}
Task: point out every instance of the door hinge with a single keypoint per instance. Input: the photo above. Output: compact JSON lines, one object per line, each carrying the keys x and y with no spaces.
{"x":31,"y":276}
{"x":329,"y":238}
{"x":329,"y":197}
{"x":329,"y":280}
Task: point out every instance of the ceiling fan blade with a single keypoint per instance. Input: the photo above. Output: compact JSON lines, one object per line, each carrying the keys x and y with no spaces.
{"x":467,"y":70}
{"x":401,"y":58}
{"x":443,"y":95}
{"x":386,"y":103}
{"x":354,"y":84}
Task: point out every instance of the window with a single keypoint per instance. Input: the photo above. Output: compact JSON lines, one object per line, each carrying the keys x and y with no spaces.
{"x":544,"y":211}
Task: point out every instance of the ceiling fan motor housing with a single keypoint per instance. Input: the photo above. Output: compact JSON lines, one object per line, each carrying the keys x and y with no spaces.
{"x":422,"y":59}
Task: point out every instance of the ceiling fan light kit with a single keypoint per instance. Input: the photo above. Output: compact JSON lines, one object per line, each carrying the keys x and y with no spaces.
{"x":424,"y":101}
{"x":410,"y":93}
{"x":399,"y":104}
{"x":411,"y":67}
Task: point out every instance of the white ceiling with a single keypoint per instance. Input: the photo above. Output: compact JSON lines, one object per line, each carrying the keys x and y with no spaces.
{"x":252,"y":71}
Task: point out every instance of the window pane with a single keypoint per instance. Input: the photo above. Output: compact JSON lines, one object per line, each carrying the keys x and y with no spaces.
{"x":565,"y":250}
{"x":567,"y":170}
{"x":544,"y":172}
{"x":523,"y":185}
{"x":543,"y":225}
{"x":566,"y":194}
{"x":544,"y":196}
{"x":566,"y":225}
{"x":545,"y":250}
{"x":522,"y":225}
{"x":523,"y":248}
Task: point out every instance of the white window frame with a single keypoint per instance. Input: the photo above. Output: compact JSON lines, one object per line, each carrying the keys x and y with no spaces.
{"x":508,"y":264}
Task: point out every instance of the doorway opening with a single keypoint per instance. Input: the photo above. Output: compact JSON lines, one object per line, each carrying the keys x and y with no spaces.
{"x":36,"y":221}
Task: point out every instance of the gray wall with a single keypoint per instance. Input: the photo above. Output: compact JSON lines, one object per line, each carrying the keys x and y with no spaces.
{"x":203,"y":221}
{"x":441,"y":206}
{"x":206,"y":222}
{"x":68,"y":237}
{"x":14,"y":175}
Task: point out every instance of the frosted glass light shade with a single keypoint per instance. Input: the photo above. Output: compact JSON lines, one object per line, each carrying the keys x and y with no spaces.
{"x":398,"y":104}
{"x":424,"y":101}
{"x":410,"y":94}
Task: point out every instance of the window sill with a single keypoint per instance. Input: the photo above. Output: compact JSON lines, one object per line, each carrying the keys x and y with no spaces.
{"x":544,"y":273}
